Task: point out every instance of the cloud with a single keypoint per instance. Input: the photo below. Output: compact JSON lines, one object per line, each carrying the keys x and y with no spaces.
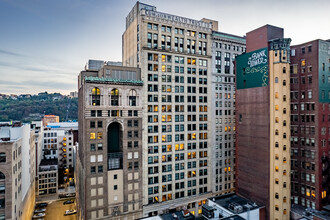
{"x":39,"y":84}
{"x":11,"y":53}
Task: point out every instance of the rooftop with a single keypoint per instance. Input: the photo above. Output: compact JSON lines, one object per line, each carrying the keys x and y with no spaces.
{"x":177,"y":215}
{"x":110,"y":80}
{"x":233,"y":217}
{"x":308,"y":213}
{"x":230,"y":201}
{"x":228,"y":36}
{"x":48,"y":162}
{"x":63,"y":125}
{"x":11,"y":124}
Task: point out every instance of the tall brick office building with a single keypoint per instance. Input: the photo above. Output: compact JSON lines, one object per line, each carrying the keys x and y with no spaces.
{"x":310,"y":117}
{"x":263,"y":121}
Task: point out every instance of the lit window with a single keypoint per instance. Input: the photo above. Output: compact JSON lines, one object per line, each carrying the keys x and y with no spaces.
{"x":114,"y":97}
{"x":96,"y":96}
{"x":92,"y":135}
{"x":324,"y":193}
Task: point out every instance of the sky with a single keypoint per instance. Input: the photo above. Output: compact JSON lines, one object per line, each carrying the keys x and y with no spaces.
{"x":44,"y":44}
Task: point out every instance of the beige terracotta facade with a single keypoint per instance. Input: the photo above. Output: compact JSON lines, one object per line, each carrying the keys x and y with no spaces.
{"x":279,"y":85}
{"x":174,"y":54}
{"x":110,"y":148}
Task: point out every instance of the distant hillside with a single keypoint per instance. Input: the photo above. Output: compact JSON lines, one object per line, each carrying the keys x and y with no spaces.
{"x":29,"y":108}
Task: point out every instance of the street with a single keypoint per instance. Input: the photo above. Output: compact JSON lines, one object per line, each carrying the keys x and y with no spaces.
{"x":55,"y":210}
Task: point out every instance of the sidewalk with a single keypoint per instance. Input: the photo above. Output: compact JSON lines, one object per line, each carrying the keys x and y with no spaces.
{"x":46,"y":198}
{"x":52,"y":197}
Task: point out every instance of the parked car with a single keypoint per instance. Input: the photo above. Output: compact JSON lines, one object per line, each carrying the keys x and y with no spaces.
{"x":41,"y":205}
{"x":61,"y":196}
{"x":70,"y":212}
{"x":68,"y":202}
{"x":40,"y":210}
{"x":38,"y":215}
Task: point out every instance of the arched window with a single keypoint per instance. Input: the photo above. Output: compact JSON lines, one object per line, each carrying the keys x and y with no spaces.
{"x":114,"y":97}
{"x":284,"y":70}
{"x":132,"y":98}
{"x":276,"y":80}
{"x":284,"y":123}
{"x":96,"y":96}
{"x":276,"y":196}
{"x":2,"y":157}
{"x":276,"y":132}
{"x":284,"y":111}
{"x":284,"y":83}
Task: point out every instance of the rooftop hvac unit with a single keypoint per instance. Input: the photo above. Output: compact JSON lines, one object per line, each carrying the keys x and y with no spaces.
{"x":236,"y":208}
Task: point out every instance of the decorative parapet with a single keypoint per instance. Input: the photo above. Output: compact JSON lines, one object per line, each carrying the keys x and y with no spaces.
{"x":280,"y":44}
{"x":228,"y":37}
{"x":111,"y":80}
{"x":174,"y":19}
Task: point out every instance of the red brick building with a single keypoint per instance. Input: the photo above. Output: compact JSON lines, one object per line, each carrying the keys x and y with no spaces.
{"x":310,"y":117}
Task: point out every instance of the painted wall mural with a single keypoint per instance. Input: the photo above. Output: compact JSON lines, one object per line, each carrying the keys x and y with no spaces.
{"x":252,"y":69}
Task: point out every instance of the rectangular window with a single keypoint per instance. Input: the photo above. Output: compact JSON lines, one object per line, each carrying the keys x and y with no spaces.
{"x":93,"y":170}
{"x":93,"y":113}
{"x":92,"y":147}
{"x":99,"y":124}
{"x":92,"y":124}
{"x":92,"y":135}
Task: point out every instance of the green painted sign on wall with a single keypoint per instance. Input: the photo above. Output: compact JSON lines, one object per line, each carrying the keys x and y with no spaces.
{"x":252,"y":69}
{"x":324,"y":71}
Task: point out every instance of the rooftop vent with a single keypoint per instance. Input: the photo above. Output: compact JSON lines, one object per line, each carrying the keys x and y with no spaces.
{"x":236,"y":208}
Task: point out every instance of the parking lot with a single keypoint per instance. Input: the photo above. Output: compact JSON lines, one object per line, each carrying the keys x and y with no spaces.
{"x":55,"y":210}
